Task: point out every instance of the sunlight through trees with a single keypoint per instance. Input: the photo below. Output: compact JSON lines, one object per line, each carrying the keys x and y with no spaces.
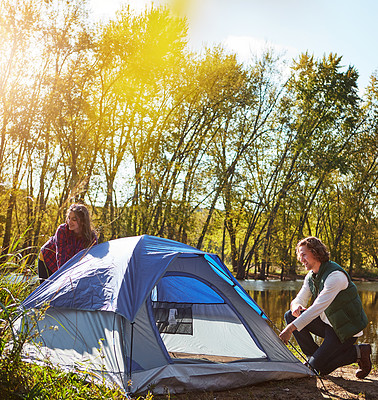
{"x":237,"y":159}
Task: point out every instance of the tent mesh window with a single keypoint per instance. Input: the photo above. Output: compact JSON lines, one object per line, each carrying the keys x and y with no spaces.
{"x":174,"y":318}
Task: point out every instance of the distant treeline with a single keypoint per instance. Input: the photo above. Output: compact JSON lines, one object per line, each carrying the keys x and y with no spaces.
{"x":239,"y":159}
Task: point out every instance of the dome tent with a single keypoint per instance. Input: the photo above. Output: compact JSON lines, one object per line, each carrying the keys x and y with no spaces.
{"x":157,"y":314}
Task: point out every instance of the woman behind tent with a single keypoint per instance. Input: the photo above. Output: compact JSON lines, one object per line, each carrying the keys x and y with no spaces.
{"x":74,"y":235}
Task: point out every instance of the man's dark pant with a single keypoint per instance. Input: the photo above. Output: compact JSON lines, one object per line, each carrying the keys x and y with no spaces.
{"x":331,"y":354}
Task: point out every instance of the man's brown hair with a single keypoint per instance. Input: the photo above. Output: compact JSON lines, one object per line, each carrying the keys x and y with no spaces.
{"x":316,"y":246}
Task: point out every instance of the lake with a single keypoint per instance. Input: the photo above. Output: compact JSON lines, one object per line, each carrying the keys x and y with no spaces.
{"x":274,"y":298}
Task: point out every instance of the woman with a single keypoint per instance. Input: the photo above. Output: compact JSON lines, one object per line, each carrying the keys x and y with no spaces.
{"x":74,"y":235}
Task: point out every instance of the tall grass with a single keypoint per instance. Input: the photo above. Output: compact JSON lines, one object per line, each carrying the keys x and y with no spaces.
{"x":14,"y":287}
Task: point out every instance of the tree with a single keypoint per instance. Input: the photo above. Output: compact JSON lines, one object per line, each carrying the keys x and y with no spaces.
{"x":318,"y":101}
{"x":18,"y":90}
{"x":138,"y":57}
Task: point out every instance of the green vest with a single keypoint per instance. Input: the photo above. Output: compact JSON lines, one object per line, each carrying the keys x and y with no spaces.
{"x":345,"y":313}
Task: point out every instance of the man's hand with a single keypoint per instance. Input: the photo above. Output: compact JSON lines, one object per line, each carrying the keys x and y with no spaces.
{"x":285,"y":335}
{"x":297,"y":309}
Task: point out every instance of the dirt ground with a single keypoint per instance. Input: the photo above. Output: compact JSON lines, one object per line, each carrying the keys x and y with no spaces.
{"x":341,"y":384}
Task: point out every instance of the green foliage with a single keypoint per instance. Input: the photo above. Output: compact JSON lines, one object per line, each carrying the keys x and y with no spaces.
{"x":12,"y":291}
{"x":239,"y":159}
{"x":31,"y":381}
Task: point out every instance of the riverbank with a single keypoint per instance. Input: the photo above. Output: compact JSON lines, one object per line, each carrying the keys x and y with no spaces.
{"x":341,"y":384}
{"x":273,"y":277}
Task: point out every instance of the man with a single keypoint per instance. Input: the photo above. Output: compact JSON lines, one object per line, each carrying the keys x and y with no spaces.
{"x":336,"y":313}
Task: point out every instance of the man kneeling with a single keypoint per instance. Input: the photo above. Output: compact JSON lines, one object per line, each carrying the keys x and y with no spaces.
{"x":336,"y":313}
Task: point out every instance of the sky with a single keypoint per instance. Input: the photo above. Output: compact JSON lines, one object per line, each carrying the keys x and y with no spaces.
{"x":345,"y":27}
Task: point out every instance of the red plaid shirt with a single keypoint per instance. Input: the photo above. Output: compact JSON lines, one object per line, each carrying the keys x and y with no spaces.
{"x":61,"y":247}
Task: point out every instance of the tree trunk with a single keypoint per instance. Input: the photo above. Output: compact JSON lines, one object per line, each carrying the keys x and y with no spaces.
{"x":223,"y":239}
{"x":8,"y":224}
{"x":351,"y":253}
{"x":209,"y":215}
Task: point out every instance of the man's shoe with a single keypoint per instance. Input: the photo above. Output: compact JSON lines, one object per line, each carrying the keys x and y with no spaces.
{"x":364,"y":362}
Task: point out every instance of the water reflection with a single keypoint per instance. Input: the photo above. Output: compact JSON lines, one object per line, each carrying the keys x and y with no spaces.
{"x":274,"y":298}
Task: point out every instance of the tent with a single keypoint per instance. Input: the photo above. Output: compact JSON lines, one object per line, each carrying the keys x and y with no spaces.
{"x":149,"y":313}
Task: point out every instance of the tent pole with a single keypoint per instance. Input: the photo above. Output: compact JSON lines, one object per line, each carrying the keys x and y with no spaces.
{"x":131,"y":351}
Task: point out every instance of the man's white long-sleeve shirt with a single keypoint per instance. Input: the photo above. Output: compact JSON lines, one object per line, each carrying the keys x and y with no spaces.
{"x":335,"y":282}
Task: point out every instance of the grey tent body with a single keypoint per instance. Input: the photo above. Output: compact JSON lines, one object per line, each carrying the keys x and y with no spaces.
{"x":187,"y":324}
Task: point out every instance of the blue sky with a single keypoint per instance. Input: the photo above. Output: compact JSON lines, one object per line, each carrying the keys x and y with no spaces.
{"x":345,"y":27}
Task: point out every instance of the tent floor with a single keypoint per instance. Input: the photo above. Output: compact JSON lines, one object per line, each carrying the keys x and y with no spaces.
{"x":203,"y":357}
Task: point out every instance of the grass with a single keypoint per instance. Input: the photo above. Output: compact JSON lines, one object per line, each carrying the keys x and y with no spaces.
{"x":31,"y":381}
